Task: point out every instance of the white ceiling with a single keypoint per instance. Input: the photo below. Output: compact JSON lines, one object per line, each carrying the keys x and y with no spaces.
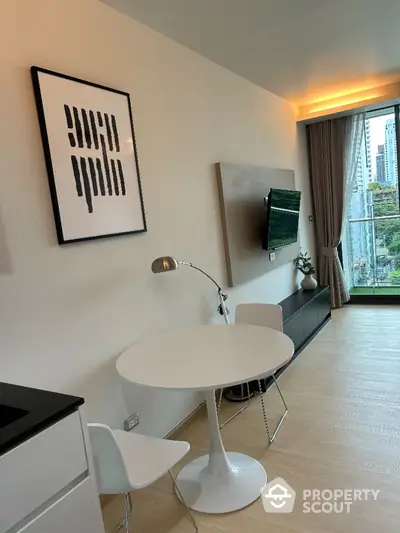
{"x":301,"y":50}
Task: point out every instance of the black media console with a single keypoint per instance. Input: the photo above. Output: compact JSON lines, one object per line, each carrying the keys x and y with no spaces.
{"x":304,"y":314}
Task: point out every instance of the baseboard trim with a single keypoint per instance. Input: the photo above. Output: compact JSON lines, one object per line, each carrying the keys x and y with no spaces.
{"x":174,"y":433}
{"x":183,"y":425}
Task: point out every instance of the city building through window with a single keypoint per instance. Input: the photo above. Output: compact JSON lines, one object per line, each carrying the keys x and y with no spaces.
{"x":372,"y":234}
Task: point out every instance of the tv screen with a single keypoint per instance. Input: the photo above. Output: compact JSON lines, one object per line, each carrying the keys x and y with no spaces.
{"x":283,"y":210}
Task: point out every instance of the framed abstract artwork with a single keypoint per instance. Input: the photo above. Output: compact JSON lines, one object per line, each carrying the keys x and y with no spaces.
{"x":91,"y":157}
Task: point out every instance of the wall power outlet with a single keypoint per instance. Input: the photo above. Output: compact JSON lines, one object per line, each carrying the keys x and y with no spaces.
{"x":131,"y":422}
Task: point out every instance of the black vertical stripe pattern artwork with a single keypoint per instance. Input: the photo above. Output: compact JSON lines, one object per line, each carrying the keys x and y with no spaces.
{"x":94,"y":130}
{"x":88,"y":137}
{"x":95,"y":173}
{"x":68,"y":117}
{"x":101,"y":178}
{"x":115,"y":177}
{"x":70,"y":125}
{"x":121,"y":177}
{"x":115,"y":132}
{"x":108,"y":129}
{"x":77,"y":175}
{"x":106,"y":165}
{"x":86,"y":185}
{"x":78,"y":127}
{"x":93,"y":176}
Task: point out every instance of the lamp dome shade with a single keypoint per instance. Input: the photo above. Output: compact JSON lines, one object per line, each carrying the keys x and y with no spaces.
{"x":164,"y":264}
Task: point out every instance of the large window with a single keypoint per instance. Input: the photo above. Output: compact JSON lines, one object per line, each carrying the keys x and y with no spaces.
{"x":372,"y":252}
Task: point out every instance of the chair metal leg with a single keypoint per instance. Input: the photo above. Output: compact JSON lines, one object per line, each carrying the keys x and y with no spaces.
{"x":196,"y":529}
{"x":120,"y":526}
{"x":264,"y":411}
{"x":271,"y":438}
{"x":238,"y":411}
{"x":128,"y":503}
{"x":128,"y":511}
{"x":280,"y":392}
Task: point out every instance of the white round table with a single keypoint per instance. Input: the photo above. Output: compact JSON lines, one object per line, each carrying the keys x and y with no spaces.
{"x":207,"y":358}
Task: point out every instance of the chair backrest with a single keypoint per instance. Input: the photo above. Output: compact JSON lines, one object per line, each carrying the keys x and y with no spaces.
{"x":109,"y":465}
{"x":266,"y":315}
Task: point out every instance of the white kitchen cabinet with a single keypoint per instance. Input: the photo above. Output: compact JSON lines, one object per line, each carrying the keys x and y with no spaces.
{"x":76,"y":512}
{"x":39,"y":468}
{"x":47,"y":483}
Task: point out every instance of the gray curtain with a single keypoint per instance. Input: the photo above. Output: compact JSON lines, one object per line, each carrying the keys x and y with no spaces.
{"x":328,"y":146}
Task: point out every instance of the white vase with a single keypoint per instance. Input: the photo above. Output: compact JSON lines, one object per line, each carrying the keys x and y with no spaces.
{"x":308,"y":283}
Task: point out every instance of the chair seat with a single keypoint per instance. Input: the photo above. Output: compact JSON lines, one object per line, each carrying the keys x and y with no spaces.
{"x":156,"y":456}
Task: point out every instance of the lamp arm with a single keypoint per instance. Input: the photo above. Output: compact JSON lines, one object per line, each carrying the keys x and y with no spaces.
{"x":202,"y":271}
{"x":222,"y":297}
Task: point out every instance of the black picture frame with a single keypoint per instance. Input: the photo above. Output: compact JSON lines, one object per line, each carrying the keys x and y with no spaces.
{"x":41,"y":105}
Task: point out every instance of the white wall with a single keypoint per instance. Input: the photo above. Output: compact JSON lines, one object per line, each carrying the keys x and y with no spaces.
{"x":67,"y":312}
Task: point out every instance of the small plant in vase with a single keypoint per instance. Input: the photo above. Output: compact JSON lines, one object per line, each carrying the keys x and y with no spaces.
{"x":303,"y":263}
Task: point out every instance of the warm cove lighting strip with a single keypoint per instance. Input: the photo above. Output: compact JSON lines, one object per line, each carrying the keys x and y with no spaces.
{"x":361,"y":100}
{"x":322,"y":108}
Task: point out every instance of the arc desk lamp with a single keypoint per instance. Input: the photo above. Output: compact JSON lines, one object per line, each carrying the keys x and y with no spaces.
{"x":167,"y":264}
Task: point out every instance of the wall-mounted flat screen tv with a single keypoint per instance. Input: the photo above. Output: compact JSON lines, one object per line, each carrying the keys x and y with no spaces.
{"x":282,"y":223}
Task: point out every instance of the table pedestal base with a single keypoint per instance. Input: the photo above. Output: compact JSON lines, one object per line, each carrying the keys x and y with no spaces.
{"x":234,"y":489}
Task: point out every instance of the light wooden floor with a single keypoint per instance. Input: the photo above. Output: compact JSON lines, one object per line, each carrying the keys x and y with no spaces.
{"x":342,"y":431}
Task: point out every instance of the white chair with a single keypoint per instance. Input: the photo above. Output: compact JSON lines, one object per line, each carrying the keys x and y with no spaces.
{"x":265,"y":315}
{"x":125,"y":462}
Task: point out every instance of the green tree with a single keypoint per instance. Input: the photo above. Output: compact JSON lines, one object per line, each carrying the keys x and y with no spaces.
{"x":373,"y":186}
{"x":394,"y":246}
{"x":387,"y":230}
{"x":383,"y":208}
{"x":395,"y":277}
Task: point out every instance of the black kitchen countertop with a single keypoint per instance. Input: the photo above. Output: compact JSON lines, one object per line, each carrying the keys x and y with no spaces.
{"x":24,"y":412}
